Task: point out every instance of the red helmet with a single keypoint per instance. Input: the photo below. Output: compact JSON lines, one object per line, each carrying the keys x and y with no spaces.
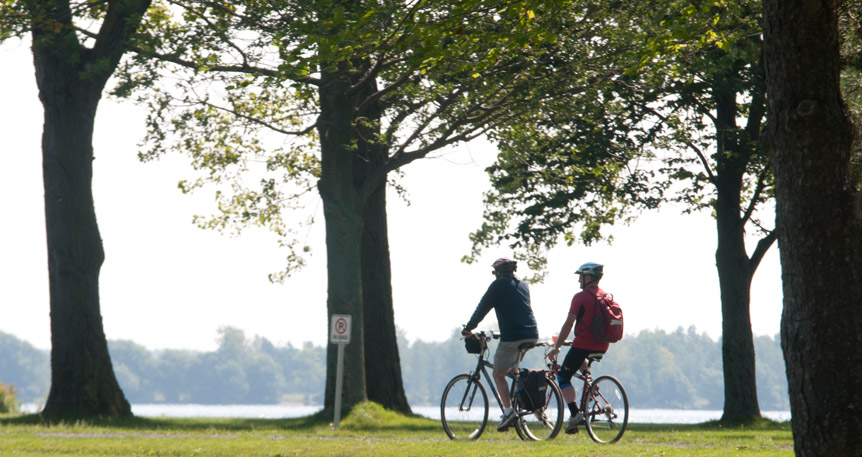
{"x":504,"y":265}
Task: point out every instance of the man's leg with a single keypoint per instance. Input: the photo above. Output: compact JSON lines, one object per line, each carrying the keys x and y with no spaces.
{"x":505,"y":360}
{"x":503,"y":388}
{"x":569,"y":394}
{"x":574,"y":358}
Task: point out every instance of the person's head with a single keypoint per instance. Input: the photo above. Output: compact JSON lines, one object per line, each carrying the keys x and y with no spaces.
{"x":504,"y":266}
{"x":589,"y":274}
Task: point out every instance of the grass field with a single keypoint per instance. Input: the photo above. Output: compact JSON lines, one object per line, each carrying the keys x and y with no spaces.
{"x":367,"y":431}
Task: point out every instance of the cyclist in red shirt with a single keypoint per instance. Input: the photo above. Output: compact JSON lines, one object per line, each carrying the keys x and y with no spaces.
{"x":584,"y":343}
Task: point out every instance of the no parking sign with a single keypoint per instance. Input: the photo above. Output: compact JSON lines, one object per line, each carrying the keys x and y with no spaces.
{"x":339,"y":333}
{"x":339,"y":329}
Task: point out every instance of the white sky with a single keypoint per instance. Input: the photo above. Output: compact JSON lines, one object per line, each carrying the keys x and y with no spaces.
{"x":166,"y":284}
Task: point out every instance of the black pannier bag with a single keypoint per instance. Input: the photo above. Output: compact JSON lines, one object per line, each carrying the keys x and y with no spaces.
{"x":532,"y":387}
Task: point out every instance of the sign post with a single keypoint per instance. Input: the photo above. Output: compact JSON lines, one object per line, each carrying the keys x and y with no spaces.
{"x":339,"y":333}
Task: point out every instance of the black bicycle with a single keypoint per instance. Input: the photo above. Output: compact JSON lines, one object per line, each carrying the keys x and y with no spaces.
{"x":464,"y":408}
{"x":603,"y":401}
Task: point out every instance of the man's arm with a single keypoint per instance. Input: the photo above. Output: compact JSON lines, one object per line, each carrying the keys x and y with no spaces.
{"x":564,"y":330}
{"x":486,"y":304}
{"x":571,"y":319}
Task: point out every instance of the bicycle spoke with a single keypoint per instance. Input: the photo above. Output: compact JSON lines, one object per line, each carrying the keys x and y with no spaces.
{"x":608,"y":410}
{"x":545,"y":423}
{"x":464,"y":408}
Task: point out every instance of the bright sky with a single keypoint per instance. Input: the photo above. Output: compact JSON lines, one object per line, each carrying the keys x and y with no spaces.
{"x":166,"y":284}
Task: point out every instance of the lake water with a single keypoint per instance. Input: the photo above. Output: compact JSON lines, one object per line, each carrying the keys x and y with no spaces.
{"x":642,"y":416}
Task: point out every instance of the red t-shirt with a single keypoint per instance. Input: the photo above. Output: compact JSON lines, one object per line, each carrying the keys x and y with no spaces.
{"x":586,"y":300}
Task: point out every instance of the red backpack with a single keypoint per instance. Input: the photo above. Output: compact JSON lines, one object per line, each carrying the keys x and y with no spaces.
{"x":607,"y":319}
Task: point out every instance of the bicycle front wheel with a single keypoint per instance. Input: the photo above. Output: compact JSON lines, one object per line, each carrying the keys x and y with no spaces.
{"x":464,"y":408}
{"x":607,"y":413}
{"x":544,"y":423}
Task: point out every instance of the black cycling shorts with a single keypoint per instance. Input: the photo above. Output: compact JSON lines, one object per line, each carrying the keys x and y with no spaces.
{"x":573,"y":361}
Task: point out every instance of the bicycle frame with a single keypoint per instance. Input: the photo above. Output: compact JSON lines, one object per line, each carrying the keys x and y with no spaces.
{"x":587,"y":389}
{"x":467,"y":394}
{"x":611,"y":415}
{"x":481,"y":366}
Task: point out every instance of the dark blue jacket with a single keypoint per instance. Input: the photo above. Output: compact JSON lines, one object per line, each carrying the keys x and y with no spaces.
{"x":510,"y":299}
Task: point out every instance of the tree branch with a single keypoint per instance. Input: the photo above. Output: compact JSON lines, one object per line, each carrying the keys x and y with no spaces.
{"x":762,"y":247}
{"x":701,"y":156}
{"x":121,"y":20}
{"x":255,"y":120}
{"x":758,"y":189}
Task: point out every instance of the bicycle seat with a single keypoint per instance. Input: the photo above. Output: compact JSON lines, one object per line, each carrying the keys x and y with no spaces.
{"x":525,"y":346}
{"x":595,"y":357}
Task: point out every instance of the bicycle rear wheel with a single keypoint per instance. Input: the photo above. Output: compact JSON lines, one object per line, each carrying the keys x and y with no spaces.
{"x":544,"y":423}
{"x":464,"y":408}
{"x":607,"y":413}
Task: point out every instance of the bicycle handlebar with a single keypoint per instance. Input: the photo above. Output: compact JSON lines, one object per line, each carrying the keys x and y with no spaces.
{"x":551,"y":343}
{"x":486,"y":336}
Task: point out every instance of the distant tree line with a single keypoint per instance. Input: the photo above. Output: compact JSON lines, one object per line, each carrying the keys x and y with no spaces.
{"x":680,"y":369}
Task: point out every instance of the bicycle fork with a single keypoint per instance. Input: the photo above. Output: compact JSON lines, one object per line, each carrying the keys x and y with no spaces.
{"x":469,"y":393}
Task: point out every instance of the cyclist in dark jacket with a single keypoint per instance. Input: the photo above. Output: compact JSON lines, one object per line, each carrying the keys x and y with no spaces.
{"x":509,"y":297}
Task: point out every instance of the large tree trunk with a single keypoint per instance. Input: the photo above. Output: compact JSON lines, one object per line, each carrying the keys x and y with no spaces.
{"x":353,"y":188}
{"x":382,"y":361}
{"x":819,"y":227}
{"x":70,"y":80}
{"x":82,"y":377}
{"x":340,"y":189}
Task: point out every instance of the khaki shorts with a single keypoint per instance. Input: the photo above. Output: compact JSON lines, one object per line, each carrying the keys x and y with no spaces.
{"x":508,"y":354}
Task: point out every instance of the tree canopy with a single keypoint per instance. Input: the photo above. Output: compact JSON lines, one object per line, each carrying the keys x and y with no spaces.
{"x":346,"y":92}
{"x":679,"y":121}
{"x":641,"y":136}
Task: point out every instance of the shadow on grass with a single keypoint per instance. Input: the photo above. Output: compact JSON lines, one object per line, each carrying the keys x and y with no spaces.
{"x":364,"y":419}
{"x":309,"y":423}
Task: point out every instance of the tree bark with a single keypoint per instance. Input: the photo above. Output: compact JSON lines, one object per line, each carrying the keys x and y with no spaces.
{"x":384,"y":383}
{"x":82,"y":376}
{"x":382,"y":360}
{"x":70,"y":80}
{"x":340,"y":190}
{"x":737,"y":344}
{"x":353,"y":189}
{"x":809,"y":135}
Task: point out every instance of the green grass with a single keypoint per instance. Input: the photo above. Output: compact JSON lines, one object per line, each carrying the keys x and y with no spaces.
{"x":367,"y":431}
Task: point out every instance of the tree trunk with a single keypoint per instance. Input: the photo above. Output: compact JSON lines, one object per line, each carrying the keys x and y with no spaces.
{"x":353,"y":189}
{"x":731,"y":259}
{"x":819,"y":227}
{"x":734,"y":275}
{"x":70,"y":80}
{"x":340,"y":190}
{"x":82,"y":376}
{"x":382,"y":361}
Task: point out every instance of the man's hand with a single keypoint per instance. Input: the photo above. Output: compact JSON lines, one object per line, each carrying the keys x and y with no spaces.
{"x":552,"y":354}
{"x":466,"y":333}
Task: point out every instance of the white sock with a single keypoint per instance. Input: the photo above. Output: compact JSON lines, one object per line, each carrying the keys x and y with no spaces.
{"x":507,"y":411}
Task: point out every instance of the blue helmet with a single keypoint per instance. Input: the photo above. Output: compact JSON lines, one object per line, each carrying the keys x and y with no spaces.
{"x":592,"y":269}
